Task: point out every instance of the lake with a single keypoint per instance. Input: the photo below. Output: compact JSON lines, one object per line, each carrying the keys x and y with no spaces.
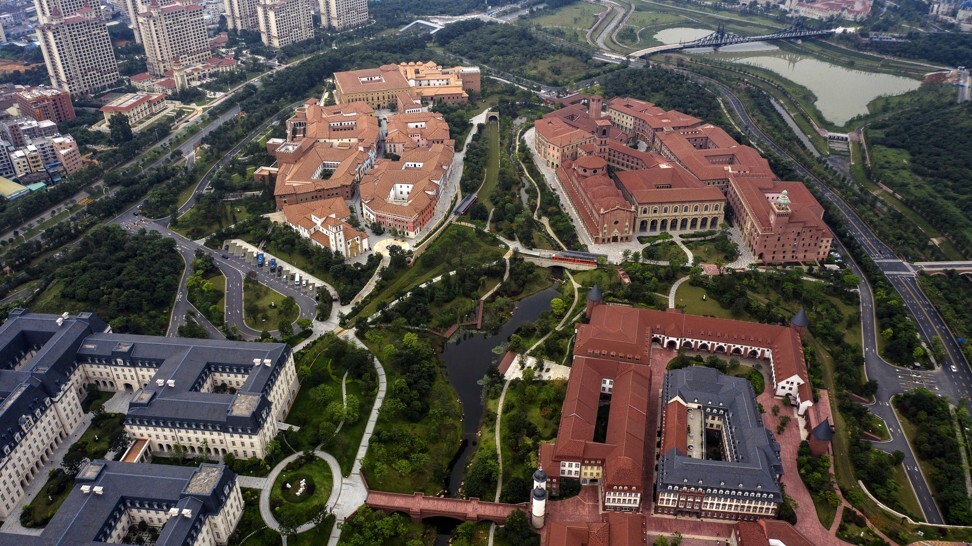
{"x":841,"y":93}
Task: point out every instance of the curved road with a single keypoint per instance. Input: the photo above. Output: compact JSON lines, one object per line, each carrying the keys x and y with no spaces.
{"x":891,"y":379}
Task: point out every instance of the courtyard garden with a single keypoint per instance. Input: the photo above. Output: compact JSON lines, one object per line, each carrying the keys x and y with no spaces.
{"x":301,"y":491}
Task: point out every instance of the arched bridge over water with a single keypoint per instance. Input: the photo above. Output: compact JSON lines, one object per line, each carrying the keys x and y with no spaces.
{"x":419,"y":507}
{"x":722,"y":38}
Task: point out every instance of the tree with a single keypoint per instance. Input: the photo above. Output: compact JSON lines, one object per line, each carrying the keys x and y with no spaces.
{"x":516,"y":529}
{"x":120,"y":130}
{"x":558,"y":306}
{"x":304,"y":323}
{"x":72,"y":462}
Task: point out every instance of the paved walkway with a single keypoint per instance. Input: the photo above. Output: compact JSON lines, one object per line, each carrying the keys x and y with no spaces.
{"x":354,"y":491}
{"x":807,"y":522}
{"x":671,"y":293}
{"x":685,"y":249}
{"x":332,"y":500}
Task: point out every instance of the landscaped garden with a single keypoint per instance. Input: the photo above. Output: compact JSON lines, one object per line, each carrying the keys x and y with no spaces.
{"x":266,"y":309}
{"x":301,"y":491}
{"x":318,"y":408}
{"x":105,"y":433}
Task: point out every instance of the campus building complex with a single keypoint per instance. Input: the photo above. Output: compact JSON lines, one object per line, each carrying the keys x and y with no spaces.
{"x":325,"y":223}
{"x":717,"y":459}
{"x":427,"y":82}
{"x":182,"y":77}
{"x":284,"y":22}
{"x":192,"y":506}
{"x":343,"y":14}
{"x":174,"y":35}
{"x":673,"y":173}
{"x":402,"y":194}
{"x":332,"y":152}
{"x":647,"y":193}
{"x":327,"y":151}
{"x":201,"y":396}
{"x":137,"y":107}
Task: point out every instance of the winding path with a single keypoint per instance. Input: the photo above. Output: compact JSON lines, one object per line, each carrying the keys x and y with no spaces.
{"x":335,"y":494}
{"x":506,"y":386}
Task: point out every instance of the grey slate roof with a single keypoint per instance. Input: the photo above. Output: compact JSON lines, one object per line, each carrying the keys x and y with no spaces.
{"x":823,"y":431}
{"x":800,"y":319}
{"x":62,"y":343}
{"x":756,"y":462}
{"x":88,"y":518}
{"x":594,"y":294}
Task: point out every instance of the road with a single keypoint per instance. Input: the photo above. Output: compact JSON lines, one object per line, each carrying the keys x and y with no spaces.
{"x":204,"y":181}
{"x":891,"y":379}
{"x":234,"y":269}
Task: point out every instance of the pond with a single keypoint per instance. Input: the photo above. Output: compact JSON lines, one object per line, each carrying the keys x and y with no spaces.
{"x":467,"y":361}
{"x":677,"y":35}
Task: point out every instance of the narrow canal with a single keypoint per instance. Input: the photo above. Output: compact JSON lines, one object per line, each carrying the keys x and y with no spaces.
{"x":467,"y":359}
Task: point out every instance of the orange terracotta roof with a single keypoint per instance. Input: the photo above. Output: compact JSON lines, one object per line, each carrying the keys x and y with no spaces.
{"x":676,"y":428}
{"x":622,"y":451}
{"x":383,"y":78}
{"x":666,"y":182}
{"x":804,"y":208}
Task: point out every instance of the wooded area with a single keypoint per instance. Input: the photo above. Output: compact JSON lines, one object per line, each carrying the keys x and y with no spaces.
{"x":928,"y":162}
{"x":128,"y":280}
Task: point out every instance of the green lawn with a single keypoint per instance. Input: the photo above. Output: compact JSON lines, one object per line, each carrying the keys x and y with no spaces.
{"x":690,"y":298}
{"x":316,"y":536}
{"x":262,"y":307}
{"x":94,"y":444}
{"x":436,"y":261}
{"x":288,"y":507}
{"x":251,"y":529}
{"x":906,"y":494}
{"x":306,"y":412}
{"x":706,"y":252}
{"x":196,"y":225}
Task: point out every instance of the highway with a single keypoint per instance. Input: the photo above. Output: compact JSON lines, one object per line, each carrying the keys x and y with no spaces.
{"x":891,"y":379}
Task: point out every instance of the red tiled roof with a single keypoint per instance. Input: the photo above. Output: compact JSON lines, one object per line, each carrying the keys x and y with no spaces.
{"x":622,"y":451}
{"x":676,"y":428}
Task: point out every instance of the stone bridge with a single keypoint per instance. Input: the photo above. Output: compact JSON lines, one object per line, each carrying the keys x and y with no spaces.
{"x":543,"y":261}
{"x":934,"y":268}
{"x":419,"y":507}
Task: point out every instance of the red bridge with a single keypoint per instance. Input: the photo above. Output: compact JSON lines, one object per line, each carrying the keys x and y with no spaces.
{"x":418,"y":507}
